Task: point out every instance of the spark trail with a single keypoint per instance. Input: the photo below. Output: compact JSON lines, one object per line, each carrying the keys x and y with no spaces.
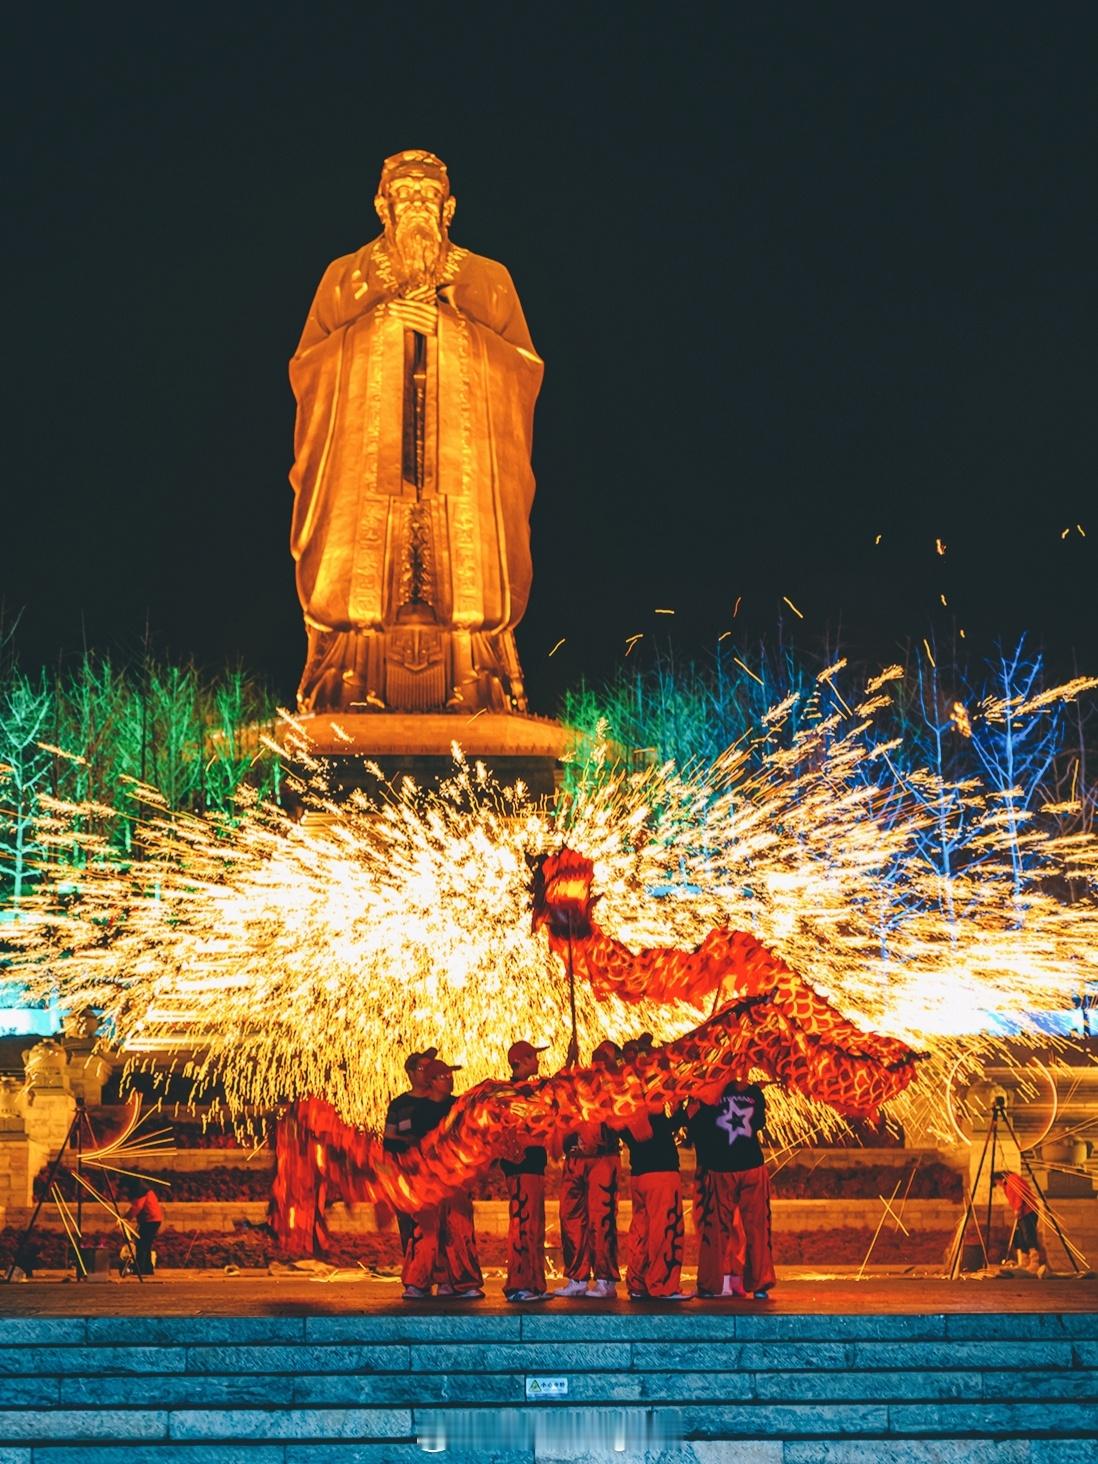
{"x":282,"y":957}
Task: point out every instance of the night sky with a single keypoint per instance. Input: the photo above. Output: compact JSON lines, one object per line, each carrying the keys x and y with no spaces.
{"x":801,"y":275}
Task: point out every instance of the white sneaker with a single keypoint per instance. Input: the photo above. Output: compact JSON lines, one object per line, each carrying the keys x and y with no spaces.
{"x":733,"y":1286}
{"x":416,"y":1293}
{"x":601,"y":1290}
{"x":572,"y":1288}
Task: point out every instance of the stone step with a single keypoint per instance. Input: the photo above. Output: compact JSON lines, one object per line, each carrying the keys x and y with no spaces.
{"x":708,"y":1421}
{"x":491,"y":1215}
{"x":413,"y":1325}
{"x":170,"y":1391}
{"x":966,"y":1450}
{"x":292,"y":1389}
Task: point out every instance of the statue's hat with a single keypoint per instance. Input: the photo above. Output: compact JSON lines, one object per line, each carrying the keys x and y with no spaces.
{"x":416,"y":163}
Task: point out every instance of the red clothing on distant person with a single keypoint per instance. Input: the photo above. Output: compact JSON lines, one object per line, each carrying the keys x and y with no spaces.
{"x":148,"y":1207}
{"x":1018,"y":1194}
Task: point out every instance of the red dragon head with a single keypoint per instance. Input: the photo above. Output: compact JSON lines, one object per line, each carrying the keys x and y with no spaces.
{"x":561,"y":890}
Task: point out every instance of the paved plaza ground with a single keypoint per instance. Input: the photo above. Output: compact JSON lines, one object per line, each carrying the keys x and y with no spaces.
{"x":799,"y":1292}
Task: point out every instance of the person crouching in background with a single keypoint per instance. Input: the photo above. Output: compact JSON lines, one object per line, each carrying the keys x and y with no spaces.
{"x":1024,"y":1240}
{"x":147,"y":1214}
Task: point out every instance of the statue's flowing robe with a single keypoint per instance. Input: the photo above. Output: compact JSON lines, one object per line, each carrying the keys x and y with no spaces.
{"x":353,"y":514}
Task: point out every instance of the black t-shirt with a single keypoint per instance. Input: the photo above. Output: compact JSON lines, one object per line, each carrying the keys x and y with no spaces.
{"x":409,"y":1118}
{"x":724,"y":1134}
{"x":533,"y":1161}
{"x":659,"y":1154}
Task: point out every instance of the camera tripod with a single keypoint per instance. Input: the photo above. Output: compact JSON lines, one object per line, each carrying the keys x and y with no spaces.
{"x":74,"y":1225}
{"x":999,"y":1115}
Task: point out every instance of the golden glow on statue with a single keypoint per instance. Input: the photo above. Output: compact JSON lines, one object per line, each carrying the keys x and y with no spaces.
{"x":415,"y":381}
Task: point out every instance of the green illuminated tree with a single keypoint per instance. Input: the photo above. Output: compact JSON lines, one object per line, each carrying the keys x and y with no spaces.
{"x":26,"y":707}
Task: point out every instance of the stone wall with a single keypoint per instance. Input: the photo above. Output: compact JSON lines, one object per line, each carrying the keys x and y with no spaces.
{"x":491,"y":1216}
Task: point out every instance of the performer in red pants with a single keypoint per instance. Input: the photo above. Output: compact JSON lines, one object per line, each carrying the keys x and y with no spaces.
{"x":655,"y":1244}
{"x":589,"y":1203}
{"x":442,"y":1247}
{"x":732,"y":1182}
{"x":401,"y":1127}
{"x":526,"y":1198}
{"x":656,"y":1230}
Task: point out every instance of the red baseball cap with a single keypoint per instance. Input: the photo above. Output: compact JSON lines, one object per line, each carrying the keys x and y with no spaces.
{"x":415,"y":1058}
{"x":436,"y":1068}
{"x":518,"y":1050}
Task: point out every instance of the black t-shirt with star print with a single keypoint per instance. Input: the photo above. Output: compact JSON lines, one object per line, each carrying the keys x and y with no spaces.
{"x":725,"y":1133}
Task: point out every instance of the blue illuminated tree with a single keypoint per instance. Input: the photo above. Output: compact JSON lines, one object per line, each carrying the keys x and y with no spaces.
{"x":1016,"y":741}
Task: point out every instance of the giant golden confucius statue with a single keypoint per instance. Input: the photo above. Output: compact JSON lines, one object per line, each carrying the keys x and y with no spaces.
{"x":415,"y":382}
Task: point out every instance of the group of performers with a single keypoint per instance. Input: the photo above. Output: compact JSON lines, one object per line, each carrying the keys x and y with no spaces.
{"x":732,"y":1211}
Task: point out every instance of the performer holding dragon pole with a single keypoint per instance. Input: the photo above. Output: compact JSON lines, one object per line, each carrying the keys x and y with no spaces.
{"x":526,"y":1198}
{"x":766,"y":1018}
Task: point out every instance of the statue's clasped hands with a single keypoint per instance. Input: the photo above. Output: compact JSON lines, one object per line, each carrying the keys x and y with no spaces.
{"x":417,"y":315}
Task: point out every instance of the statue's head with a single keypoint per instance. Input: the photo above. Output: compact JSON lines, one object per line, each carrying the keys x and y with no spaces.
{"x":415,"y":207}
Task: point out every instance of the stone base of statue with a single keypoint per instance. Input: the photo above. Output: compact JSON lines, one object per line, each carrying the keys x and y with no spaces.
{"x":513,"y":746}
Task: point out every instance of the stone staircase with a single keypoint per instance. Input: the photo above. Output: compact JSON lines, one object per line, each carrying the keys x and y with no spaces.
{"x":761,"y":1388}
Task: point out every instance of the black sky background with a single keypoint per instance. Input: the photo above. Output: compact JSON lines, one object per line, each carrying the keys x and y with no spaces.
{"x":801,"y":275}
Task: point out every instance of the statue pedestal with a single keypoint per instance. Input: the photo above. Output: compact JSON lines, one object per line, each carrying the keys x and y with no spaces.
{"x":419,"y":745}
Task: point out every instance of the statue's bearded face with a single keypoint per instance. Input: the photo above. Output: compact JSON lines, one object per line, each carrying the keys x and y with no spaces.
{"x":416,"y":214}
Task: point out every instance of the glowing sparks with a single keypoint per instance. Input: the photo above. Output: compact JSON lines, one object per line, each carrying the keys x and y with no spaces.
{"x":631,"y":641}
{"x":663,"y":612}
{"x":890,"y":673}
{"x":939,"y":546}
{"x":748,"y":669}
{"x":281,"y":957}
{"x":929,"y":653}
{"x":878,"y":539}
{"x":960,"y":719}
{"x":943,"y":600}
{"x":793,"y":607}
{"x":558,"y":645}
{"x":736,"y":606}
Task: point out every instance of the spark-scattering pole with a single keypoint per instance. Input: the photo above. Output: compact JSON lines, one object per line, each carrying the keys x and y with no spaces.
{"x":1040,"y":1193}
{"x":573,"y":1044}
{"x":997,"y":1108}
{"x":970,"y":1212}
{"x":46,"y":1189}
